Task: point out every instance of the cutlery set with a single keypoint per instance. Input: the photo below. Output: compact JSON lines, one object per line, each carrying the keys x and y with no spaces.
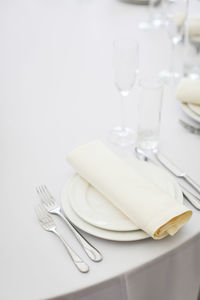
{"x":161,"y":160}
{"x":50,"y":206}
{"x":176,"y":171}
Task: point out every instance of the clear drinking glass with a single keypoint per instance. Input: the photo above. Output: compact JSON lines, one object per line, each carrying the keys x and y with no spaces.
{"x":125,"y":66}
{"x":156,"y":15}
{"x":176,"y":13}
{"x":149,"y":111}
{"x":191,"y":65}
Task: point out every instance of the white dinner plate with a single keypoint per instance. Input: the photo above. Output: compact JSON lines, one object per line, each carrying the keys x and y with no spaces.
{"x":140,"y":2}
{"x":95,"y":209}
{"x":125,"y":236}
{"x":193,"y":115}
{"x":194,"y":108}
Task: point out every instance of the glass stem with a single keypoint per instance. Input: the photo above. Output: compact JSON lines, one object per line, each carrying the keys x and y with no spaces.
{"x":172,"y":58}
{"x":123,"y":112}
{"x":150,"y":11}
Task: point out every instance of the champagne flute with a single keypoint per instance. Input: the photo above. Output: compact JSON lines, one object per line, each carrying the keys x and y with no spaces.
{"x":125,"y":66}
{"x":175,"y":25}
{"x":191,"y":60}
{"x":156,"y":15}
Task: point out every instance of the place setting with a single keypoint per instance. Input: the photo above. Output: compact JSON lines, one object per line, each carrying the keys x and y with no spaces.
{"x":125,"y":199}
{"x":188,"y":93}
{"x":114,"y":199}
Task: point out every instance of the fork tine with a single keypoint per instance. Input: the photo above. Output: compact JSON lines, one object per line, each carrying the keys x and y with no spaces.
{"x":43,"y":200}
{"x":51,"y":200}
{"x":47,"y":191}
{"x":45,"y":220}
{"x":40,"y":193}
{"x":47,"y":194}
{"x":42,"y":213}
{"x":43,"y":193}
{"x":38,"y":211}
{"x":47,"y":198}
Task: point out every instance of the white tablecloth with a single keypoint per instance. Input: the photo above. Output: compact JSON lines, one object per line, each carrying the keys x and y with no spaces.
{"x":57,"y":92}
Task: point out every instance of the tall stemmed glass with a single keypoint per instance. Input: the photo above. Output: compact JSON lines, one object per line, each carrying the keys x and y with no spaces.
{"x":191,"y":60}
{"x":125,"y":66}
{"x":156,"y":15}
{"x":175,"y":26}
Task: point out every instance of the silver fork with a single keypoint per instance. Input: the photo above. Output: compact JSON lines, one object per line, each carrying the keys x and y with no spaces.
{"x":48,"y":224}
{"x":52,"y":207}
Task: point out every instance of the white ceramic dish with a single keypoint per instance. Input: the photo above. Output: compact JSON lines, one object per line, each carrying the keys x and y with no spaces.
{"x":140,"y":2}
{"x":125,"y":236}
{"x":194,"y":108}
{"x":95,"y":209}
{"x":193,"y":115}
{"x":169,"y":185}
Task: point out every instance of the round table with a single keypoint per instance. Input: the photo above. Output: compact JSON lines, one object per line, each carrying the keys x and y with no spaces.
{"x":57,"y":92}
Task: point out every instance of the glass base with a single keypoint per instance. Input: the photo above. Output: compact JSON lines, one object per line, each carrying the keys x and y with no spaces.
{"x":145,"y":25}
{"x":168,"y":76}
{"x":191,"y":72}
{"x":148,"y":145}
{"x":144,"y":154}
{"x":156,"y":23}
{"x":122,"y":136}
{"x":147,"y":140}
{"x":151,"y":25}
{"x":193,"y":76}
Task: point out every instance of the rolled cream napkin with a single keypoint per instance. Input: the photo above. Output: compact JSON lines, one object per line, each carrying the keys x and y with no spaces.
{"x":193,"y":24}
{"x":151,"y":209}
{"x":188,"y":91}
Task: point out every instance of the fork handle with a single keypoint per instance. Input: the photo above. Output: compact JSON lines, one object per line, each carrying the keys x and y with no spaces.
{"x":90,"y":250}
{"x":79,"y":263}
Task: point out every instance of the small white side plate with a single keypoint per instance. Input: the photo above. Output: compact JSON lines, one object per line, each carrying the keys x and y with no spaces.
{"x":194,"y":108}
{"x":140,"y":2}
{"x":193,"y":115}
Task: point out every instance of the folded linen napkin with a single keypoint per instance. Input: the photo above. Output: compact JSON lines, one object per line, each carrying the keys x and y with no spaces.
{"x":151,"y":209}
{"x":188,"y":91}
{"x":193,"y":24}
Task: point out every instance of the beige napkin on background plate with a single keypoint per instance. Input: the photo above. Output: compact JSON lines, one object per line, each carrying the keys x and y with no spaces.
{"x":151,"y":209}
{"x":193,"y":24}
{"x":188,"y":91}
